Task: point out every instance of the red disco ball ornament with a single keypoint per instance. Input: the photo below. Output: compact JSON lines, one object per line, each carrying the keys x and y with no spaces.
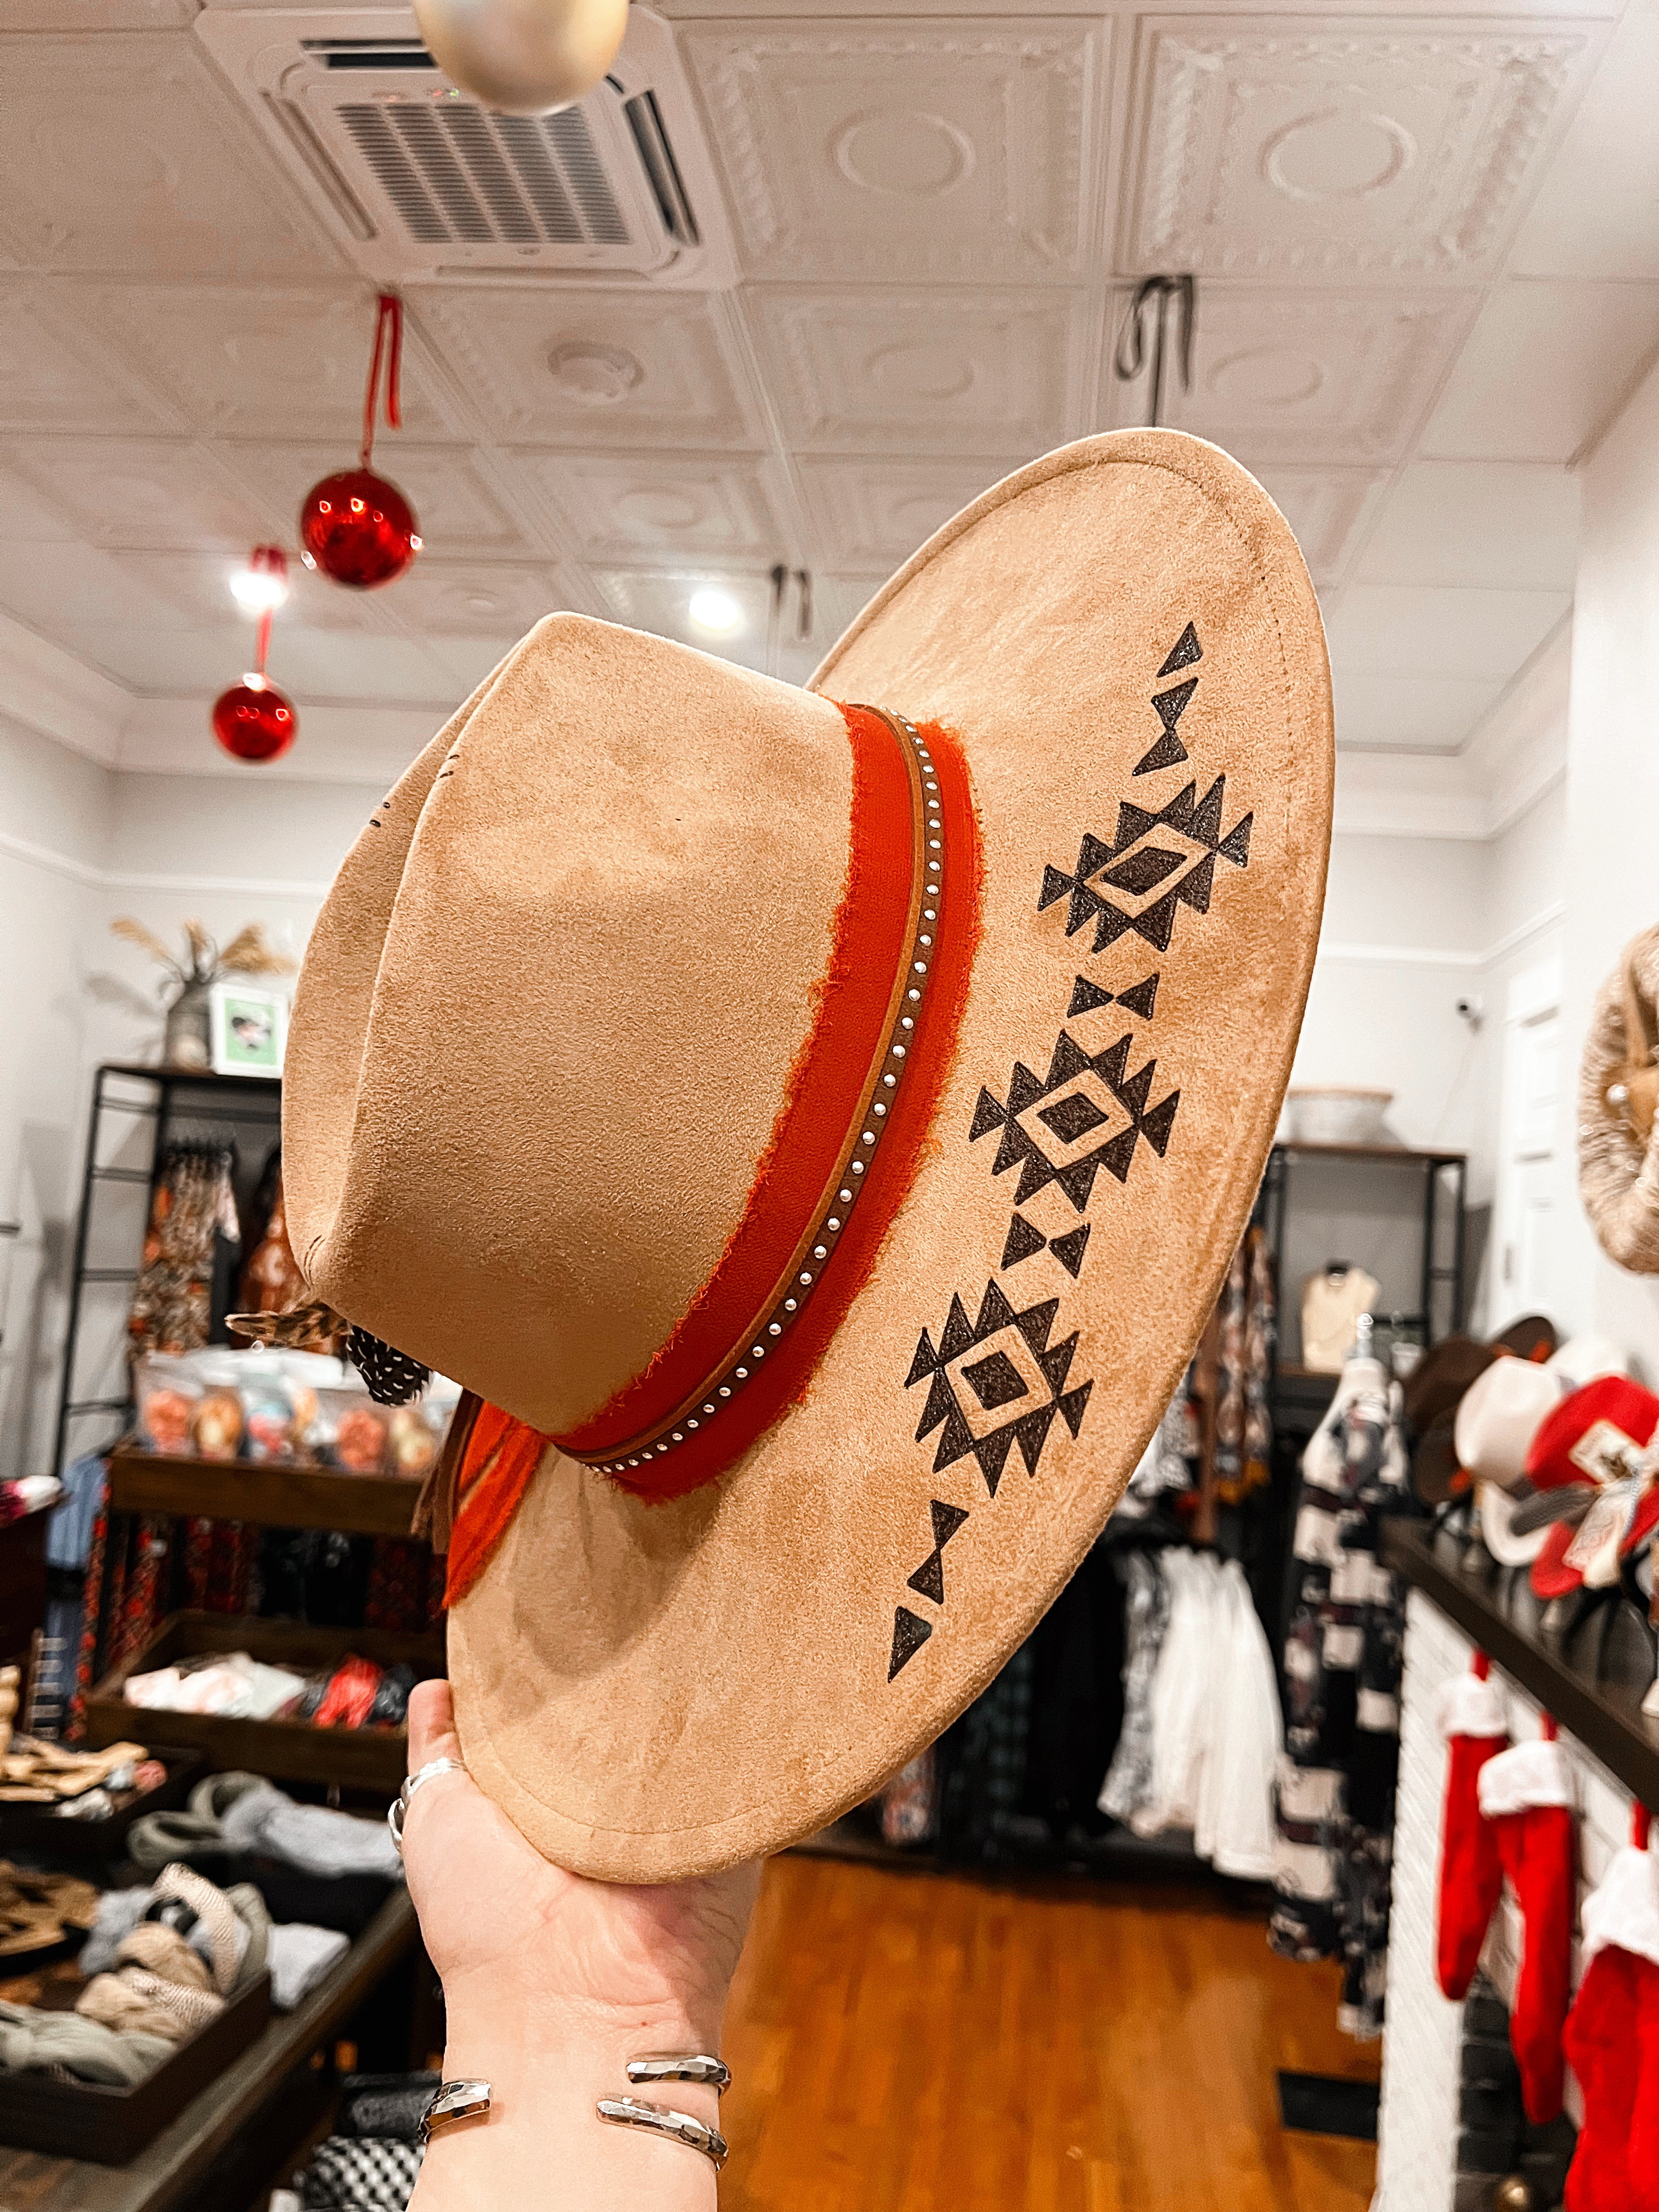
{"x":358,"y":529}
{"x":253,"y":721}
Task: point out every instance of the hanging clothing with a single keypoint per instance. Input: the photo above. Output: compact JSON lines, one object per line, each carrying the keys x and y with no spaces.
{"x":1343,"y":1657}
{"x":1234,"y":1830}
{"x":192,"y":1243}
{"x":1249,"y":1326}
{"x":1146,"y":1618}
{"x":271,"y":1281}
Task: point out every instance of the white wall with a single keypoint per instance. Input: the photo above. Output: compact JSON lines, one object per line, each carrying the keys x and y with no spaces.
{"x":1612,"y":811}
{"x":55,"y":814}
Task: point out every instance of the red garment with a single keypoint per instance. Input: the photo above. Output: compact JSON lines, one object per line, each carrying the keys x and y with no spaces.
{"x":1602,"y":2048}
{"x":349,"y":1694}
{"x":1476,"y":1729}
{"x":1526,"y":1793}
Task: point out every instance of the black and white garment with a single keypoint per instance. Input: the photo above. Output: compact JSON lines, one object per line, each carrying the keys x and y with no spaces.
{"x":1342,"y":1666}
{"x":1128,"y":1783}
{"x":361,"y":2173}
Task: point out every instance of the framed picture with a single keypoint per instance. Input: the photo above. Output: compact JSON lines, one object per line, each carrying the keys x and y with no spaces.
{"x":247,"y":1029}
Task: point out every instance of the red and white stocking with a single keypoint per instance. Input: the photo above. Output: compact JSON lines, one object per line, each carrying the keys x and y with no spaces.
{"x":1526,"y":1793}
{"x":1611,"y":2038}
{"x":1475,"y":1724}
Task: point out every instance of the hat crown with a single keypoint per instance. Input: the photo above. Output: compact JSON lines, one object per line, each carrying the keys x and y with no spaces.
{"x":571,"y":961}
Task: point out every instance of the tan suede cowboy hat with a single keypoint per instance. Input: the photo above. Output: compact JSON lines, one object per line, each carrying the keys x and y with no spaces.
{"x":816,"y":1132}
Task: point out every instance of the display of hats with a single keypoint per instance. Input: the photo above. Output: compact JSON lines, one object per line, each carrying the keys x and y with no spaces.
{"x":731,"y":1439}
{"x":1436,"y":1387}
{"x":1591,"y":1456}
{"x":1499,"y":1415}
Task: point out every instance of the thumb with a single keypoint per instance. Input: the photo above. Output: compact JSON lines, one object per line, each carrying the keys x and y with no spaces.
{"x":432,"y":1724}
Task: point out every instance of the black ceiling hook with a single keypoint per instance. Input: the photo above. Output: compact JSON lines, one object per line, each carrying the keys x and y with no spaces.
{"x":1157,"y":293}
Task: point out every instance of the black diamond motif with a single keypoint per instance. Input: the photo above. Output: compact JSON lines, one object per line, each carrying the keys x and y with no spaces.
{"x":1122,"y":865}
{"x":1073,"y":1117}
{"x":1019,"y":1146}
{"x":1027,"y":1431}
{"x":996,"y":1380}
{"x":910,"y":1633}
{"x":1182,"y":654}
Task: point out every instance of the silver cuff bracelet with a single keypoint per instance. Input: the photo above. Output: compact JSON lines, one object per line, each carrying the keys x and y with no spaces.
{"x":657,"y":2120}
{"x":454,"y":2101}
{"x":696,"y":2067}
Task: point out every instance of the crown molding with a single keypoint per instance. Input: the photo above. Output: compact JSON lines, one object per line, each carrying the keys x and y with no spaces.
{"x":50,"y":692}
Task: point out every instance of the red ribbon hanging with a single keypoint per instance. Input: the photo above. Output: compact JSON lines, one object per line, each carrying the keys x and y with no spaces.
{"x":389,"y":345}
{"x":265,"y":560}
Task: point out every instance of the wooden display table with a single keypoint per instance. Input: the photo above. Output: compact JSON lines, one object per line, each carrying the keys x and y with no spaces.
{"x":223,"y":2146}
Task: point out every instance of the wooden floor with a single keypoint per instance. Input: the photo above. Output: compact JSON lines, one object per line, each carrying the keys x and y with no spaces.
{"x":906,"y":2042}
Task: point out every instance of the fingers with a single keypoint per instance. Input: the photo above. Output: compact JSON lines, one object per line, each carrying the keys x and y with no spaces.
{"x":431,"y":1724}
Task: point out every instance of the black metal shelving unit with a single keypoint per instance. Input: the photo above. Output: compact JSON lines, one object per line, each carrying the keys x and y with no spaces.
{"x":1439,"y":1275}
{"x":165,"y":1103}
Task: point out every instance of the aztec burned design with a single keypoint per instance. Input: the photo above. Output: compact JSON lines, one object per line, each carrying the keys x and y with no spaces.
{"x":997,"y":1383}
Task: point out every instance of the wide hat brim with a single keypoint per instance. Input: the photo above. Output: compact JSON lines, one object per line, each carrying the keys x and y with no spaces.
{"x":652,"y":1691}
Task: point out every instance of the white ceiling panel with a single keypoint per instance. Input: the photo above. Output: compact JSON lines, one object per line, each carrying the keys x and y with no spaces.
{"x":70,"y":592}
{"x":1300,"y":146}
{"x":58,"y":372}
{"x":287,"y":362}
{"x":628,"y":506}
{"x":1329,"y":510}
{"x":1545,"y":368}
{"x":178,"y":664}
{"x":872,"y":514}
{"x":461,"y":511}
{"x":124,"y":154}
{"x":1409,"y":714}
{"x":1303,"y":375}
{"x":551,"y":367}
{"x":140,"y":491}
{"x":1405,"y":629}
{"x":859,"y":371}
{"x":1594,"y":215}
{"x":479,"y":599}
{"x":1476,"y":523}
{"x":909,"y":151}
{"x":196,"y":588}
{"x":659,"y":600}
{"x":26,"y":513}
{"x":465,"y":662}
{"x":389,"y":671}
{"x":97,"y":15}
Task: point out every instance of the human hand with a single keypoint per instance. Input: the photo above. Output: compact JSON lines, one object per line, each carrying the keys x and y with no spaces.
{"x":551,"y":1984}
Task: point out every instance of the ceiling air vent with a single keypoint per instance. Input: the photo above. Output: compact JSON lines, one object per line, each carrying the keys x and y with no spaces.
{"x":415,"y":177}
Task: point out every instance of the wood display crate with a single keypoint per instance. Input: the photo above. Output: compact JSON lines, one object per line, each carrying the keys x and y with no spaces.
{"x":268,"y":1493}
{"x":38,"y":1830}
{"x":86,"y":2119}
{"x":287,"y":1751}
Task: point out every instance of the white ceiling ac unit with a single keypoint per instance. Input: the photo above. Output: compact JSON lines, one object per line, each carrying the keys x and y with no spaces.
{"x":414,"y":177}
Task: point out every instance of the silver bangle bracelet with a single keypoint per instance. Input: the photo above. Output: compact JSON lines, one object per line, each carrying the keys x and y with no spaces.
{"x":454,"y":2101}
{"x":657,"y":2120}
{"x":715,"y":2073}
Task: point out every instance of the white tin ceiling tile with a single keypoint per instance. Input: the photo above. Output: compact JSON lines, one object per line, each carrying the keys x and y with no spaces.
{"x":659,"y":600}
{"x":379,"y":671}
{"x":1473,"y":523}
{"x":1594,"y":213}
{"x":97,"y":15}
{"x":196,"y":586}
{"x":56,"y":373}
{"x":125,"y":154}
{"x":478,"y":598}
{"x":70,"y":591}
{"x":958,"y":152}
{"x":1309,"y":147}
{"x":1329,"y":510}
{"x":461,"y":514}
{"x":551,"y":367}
{"x":1546,"y":368}
{"x":1440,"y":629}
{"x":141,"y":491}
{"x":872,"y":514}
{"x":837,"y":602}
{"x":1310,"y":376}
{"x":174,"y":663}
{"x":1409,"y":714}
{"x":865,"y":371}
{"x":646,"y":509}
{"x":272,"y":363}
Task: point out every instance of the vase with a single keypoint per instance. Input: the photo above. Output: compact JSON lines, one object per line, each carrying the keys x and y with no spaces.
{"x":185,"y":1042}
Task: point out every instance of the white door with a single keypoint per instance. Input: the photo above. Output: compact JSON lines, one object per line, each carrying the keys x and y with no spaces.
{"x":1522,"y":1250}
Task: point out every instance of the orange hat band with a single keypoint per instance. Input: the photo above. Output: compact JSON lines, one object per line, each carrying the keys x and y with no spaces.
{"x":857,"y":1106}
